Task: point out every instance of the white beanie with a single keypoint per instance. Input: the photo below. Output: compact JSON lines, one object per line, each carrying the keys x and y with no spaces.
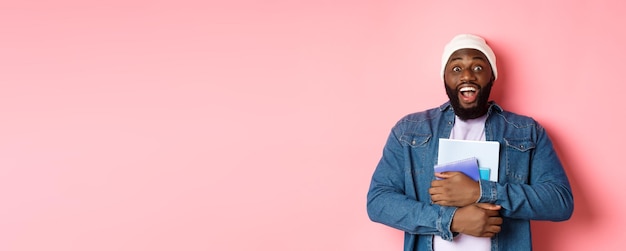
{"x":468,"y":41}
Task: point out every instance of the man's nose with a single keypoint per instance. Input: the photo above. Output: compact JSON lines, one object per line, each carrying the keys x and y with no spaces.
{"x":467,"y":75}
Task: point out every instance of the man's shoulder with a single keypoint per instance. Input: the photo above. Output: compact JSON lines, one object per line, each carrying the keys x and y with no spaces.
{"x":422,"y":122}
{"x":515,"y":118}
{"x":418,"y":126}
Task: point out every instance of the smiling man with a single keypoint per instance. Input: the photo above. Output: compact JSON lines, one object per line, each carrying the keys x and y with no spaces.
{"x":468,"y":80}
{"x":450,"y":211}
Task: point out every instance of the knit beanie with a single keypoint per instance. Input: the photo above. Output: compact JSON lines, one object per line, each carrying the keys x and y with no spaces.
{"x":468,"y":41}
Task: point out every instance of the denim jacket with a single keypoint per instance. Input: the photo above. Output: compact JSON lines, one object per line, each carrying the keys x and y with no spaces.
{"x":532,"y":184}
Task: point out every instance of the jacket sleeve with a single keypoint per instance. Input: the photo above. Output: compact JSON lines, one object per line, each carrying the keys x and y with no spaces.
{"x":392,"y":198}
{"x":545,"y":195}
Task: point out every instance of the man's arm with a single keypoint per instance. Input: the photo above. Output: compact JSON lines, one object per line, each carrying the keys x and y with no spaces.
{"x":547,"y":194}
{"x":389,"y":204}
{"x":480,"y":219}
{"x":455,"y":189}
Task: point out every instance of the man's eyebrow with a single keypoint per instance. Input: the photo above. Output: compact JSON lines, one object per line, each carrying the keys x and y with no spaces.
{"x":474,"y":58}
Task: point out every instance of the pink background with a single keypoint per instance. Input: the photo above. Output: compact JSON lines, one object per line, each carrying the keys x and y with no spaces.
{"x":256,"y":125}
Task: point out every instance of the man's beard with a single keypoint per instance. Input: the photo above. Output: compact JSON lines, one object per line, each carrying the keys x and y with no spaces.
{"x":474,"y":112}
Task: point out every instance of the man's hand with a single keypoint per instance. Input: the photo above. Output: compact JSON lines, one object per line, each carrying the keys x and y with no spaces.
{"x":481,"y":220}
{"x":454,"y":190}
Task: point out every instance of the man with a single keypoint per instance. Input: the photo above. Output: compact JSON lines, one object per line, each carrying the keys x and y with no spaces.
{"x":455,"y":212}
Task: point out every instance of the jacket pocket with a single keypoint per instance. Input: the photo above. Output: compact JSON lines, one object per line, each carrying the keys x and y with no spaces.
{"x":418,"y":169}
{"x":415,"y":140}
{"x":518,"y":154}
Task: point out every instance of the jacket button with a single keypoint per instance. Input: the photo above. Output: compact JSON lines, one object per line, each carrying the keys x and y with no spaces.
{"x":413,"y":142}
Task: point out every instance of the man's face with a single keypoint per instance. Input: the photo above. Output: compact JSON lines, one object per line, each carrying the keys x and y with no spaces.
{"x":468,"y":80}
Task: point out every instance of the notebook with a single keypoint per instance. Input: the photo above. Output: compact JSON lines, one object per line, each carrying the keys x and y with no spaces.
{"x":467,"y":166}
{"x":487,"y":153}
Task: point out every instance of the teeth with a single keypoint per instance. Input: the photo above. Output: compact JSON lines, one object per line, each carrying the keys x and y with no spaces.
{"x":468,"y":89}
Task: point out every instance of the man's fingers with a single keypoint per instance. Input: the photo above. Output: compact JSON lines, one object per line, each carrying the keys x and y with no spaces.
{"x":492,"y":213}
{"x":494,"y":225}
{"x":441,"y":175}
{"x":445,"y":175}
{"x":493,"y":230}
{"x":495,"y":220}
{"x":436,"y":183}
{"x":489,"y":206}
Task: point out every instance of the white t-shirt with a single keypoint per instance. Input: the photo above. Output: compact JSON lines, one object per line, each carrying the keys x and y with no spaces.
{"x":472,"y":129}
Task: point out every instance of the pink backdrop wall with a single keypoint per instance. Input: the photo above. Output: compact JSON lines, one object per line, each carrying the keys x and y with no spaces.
{"x":256,"y":125}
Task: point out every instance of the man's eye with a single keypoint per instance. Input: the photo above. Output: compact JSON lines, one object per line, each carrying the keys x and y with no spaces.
{"x":478,"y":68}
{"x":456,"y":69}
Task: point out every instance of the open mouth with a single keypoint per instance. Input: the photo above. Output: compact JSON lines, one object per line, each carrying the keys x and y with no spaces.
{"x":468,"y":94}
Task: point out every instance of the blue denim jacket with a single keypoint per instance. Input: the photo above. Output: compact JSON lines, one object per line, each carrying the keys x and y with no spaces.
{"x":532,"y":184}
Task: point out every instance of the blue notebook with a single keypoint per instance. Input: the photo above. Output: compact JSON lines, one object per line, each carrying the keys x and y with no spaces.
{"x":467,"y":166}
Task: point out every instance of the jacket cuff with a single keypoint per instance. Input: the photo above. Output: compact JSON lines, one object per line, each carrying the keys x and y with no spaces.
{"x":444,"y":222}
{"x":488,"y":193}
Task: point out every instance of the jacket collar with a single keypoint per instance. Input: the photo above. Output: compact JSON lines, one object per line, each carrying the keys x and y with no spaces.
{"x":493,"y":107}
